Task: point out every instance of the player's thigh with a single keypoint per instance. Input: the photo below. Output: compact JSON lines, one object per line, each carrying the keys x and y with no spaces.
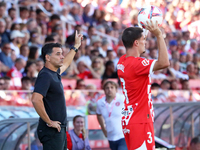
{"x":139,"y":136}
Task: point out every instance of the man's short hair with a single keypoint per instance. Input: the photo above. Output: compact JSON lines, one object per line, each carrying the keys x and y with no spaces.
{"x":110,"y":82}
{"x":47,"y":49}
{"x":130,"y":35}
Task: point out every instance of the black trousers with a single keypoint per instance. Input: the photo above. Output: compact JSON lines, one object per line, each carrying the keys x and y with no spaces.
{"x":51,"y":139}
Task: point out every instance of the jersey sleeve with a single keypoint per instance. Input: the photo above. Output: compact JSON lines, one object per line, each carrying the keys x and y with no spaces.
{"x":144,"y":66}
{"x":42,"y":84}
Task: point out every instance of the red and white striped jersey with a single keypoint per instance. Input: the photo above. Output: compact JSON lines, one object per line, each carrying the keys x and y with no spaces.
{"x":134,"y":74}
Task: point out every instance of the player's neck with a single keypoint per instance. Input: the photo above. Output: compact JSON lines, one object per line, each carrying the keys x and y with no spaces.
{"x":132,"y":52}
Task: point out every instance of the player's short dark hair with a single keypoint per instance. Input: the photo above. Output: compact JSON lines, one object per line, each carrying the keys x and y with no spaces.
{"x":195,"y":140}
{"x":47,"y":49}
{"x":130,"y":35}
{"x":110,"y":82}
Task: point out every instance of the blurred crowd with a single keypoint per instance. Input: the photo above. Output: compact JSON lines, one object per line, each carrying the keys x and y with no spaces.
{"x":26,"y":25}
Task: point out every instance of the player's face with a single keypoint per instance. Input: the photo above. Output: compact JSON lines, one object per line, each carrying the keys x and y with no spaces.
{"x":110,"y":90}
{"x":142,"y":42}
{"x":78,"y":124}
{"x":56,"y":57}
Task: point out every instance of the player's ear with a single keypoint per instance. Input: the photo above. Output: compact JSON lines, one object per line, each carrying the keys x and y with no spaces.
{"x":136,"y":43}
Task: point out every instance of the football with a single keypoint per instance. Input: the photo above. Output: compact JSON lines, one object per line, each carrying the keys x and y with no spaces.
{"x":150,"y":13}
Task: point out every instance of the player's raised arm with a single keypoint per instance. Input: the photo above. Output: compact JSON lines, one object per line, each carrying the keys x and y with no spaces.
{"x":163,"y":59}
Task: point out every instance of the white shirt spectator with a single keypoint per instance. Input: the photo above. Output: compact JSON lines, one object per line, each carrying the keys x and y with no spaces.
{"x":113,"y":123}
{"x":179,"y":74}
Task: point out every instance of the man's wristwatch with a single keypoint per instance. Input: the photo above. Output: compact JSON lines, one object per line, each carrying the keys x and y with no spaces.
{"x":74,"y":48}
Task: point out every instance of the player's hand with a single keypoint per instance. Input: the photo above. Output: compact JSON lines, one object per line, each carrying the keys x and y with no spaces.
{"x":56,"y":124}
{"x":153,"y":28}
{"x":78,"y":38}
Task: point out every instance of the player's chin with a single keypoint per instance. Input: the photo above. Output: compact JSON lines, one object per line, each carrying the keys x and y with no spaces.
{"x":144,"y":52}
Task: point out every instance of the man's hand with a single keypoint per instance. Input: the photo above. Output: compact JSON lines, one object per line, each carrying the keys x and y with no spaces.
{"x":78,"y":38}
{"x":105,"y":133}
{"x":55,"y":124}
{"x":153,"y":28}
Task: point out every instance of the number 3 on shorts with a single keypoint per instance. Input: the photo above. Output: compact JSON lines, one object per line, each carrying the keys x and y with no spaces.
{"x":149,"y":138}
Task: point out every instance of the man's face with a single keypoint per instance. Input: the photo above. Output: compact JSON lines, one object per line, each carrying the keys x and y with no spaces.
{"x":110,"y":90}
{"x":56,"y":57}
{"x":6,"y":49}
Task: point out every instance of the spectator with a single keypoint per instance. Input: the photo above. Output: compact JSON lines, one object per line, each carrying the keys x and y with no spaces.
{"x":195,"y":143}
{"x":2,"y":82}
{"x":54,"y":20}
{"x":24,"y":52}
{"x":4,"y":35}
{"x":5,"y":55}
{"x":182,"y":60}
{"x":109,"y":71}
{"x":39,"y":64}
{"x":7,"y":84}
{"x":80,"y":84}
{"x":174,"y":85}
{"x":165,"y":85}
{"x":49,"y":39}
{"x":76,"y":138}
{"x":30,"y":70}
{"x":3,"y":68}
{"x":15,"y":73}
{"x":120,"y":52}
{"x":85,"y":71}
{"x":24,"y":13}
{"x":185,"y":85}
{"x":26,"y":83}
{"x":2,"y":9}
{"x":109,"y":117}
{"x":97,"y":65}
{"x":33,"y":54}
{"x":155,"y":86}
{"x":86,"y":16}
{"x":16,"y":39}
